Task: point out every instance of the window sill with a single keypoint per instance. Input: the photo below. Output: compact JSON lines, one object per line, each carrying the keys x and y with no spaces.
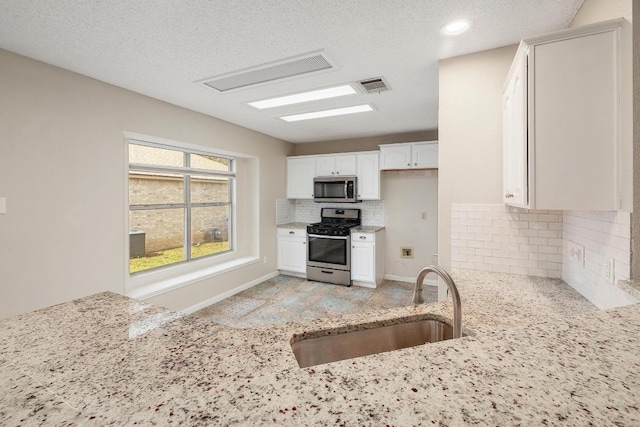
{"x":166,"y":285}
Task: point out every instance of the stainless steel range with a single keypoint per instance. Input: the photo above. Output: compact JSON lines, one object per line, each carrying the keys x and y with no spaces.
{"x":329,"y":246}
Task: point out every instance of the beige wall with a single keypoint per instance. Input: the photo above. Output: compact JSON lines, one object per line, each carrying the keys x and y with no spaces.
{"x":601,"y":10}
{"x":362,"y":144}
{"x":407,"y":194}
{"x":470,"y":135}
{"x":635,"y":217}
{"x":62,"y":170}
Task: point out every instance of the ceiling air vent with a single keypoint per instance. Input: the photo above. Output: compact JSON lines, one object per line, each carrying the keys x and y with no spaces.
{"x":374,"y":85}
{"x":269,"y":72}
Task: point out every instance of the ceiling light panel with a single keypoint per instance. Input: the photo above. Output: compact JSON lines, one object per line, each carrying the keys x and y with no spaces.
{"x":314,"y":95}
{"x":266,"y":73}
{"x":328,"y":113}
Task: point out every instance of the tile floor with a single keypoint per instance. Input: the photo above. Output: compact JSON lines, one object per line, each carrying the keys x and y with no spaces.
{"x":287,"y":299}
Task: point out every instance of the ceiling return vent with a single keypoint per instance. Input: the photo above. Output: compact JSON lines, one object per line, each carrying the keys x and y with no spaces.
{"x":374,"y":85}
{"x":290,"y":67}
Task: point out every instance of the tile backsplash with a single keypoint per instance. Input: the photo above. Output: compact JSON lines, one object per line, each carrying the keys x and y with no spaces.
{"x":372,"y":211}
{"x":284,"y":211}
{"x":540,"y":243}
{"x":604,"y":236}
{"x":501,"y":238}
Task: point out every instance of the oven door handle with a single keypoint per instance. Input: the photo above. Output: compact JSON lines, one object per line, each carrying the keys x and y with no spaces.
{"x":320,"y":236}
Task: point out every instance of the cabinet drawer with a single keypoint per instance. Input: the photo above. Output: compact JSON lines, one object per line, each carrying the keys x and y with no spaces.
{"x":292,"y":232}
{"x":363,"y":237}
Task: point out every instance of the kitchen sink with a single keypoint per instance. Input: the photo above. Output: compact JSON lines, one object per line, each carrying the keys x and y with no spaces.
{"x":336,"y":346}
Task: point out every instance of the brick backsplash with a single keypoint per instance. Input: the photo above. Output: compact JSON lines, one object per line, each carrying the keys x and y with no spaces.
{"x":500,"y":238}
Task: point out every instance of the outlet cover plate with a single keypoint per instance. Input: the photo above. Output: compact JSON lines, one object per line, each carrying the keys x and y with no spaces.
{"x":576,"y":253}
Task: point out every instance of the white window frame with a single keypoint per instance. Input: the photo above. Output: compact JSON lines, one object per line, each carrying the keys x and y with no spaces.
{"x":148,"y":283}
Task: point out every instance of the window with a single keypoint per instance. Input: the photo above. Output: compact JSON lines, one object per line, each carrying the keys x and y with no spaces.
{"x":180,"y":205}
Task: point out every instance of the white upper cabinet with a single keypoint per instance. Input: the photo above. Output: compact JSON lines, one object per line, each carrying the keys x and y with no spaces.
{"x":336,"y":165}
{"x":364,"y":165}
{"x":424,"y":155}
{"x":562,"y":121}
{"x":395,"y":156}
{"x":368,"y":168}
{"x":413,"y":155}
{"x":300,"y":174}
{"x":515,"y":135}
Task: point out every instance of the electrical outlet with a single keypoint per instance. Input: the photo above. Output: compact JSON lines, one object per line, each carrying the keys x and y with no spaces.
{"x":264,"y":260}
{"x":424,"y":216}
{"x":576,"y":253}
{"x":608,"y":268}
{"x":406,"y":252}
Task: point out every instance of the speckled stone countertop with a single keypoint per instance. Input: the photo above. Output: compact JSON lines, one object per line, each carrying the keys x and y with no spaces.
{"x":630,"y":287}
{"x":538,"y":354}
{"x":367,"y":228}
{"x":294,"y":225}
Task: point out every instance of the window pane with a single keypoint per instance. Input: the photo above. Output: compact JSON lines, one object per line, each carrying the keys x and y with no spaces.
{"x":156,"y":238}
{"x":155,"y":156}
{"x":210,"y":230}
{"x":154,"y":188}
{"x":206,"y":189}
{"x":212,"y":163}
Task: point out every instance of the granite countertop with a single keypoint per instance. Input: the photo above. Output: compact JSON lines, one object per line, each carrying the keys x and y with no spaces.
{"x":293,"y":225}
{"x":537,"y":353}
{"x":358,"y":229}
{"x":367,"y":228}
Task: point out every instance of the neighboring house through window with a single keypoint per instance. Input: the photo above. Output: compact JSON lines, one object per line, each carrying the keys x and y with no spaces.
{"x":180,"y":205}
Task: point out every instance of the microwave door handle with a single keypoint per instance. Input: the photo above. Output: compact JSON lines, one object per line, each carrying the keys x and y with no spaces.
{"x":346,"y":193}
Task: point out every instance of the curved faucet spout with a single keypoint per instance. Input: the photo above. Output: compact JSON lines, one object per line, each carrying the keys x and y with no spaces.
{"x":457,"y":305}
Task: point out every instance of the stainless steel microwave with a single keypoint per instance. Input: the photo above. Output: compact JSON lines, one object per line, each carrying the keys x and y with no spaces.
{"x":332,"y":189}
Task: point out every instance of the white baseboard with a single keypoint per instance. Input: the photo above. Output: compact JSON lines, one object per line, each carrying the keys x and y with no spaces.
{"x":428,"y":282}
{"x":292,"y":273}
{"x":364,"y":284}
{"x":229,"y":293}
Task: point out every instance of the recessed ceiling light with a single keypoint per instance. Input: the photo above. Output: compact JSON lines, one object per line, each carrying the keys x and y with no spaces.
{"x":456,"y":27}
{"x":328,"y":113}
{"x":314,"y":95}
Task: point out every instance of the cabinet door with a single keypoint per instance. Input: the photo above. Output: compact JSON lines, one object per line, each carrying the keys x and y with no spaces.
{"x":346,"y":164}
{"x":300,"y":174}
{"x":363,"y":262}
{"x":325,"y":166}
{"x":424,"y":155}
{"x":292,"y":254}
{"x":395,"y":157}
{"x":575,"y":119}
{"x":514,"y":134}
{"x":368,"y":176}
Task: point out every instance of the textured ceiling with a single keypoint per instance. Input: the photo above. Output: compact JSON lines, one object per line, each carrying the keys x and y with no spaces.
{"x":161,"y":47}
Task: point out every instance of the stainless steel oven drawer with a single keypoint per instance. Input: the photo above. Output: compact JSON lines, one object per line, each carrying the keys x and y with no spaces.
{"x":339,"y":277}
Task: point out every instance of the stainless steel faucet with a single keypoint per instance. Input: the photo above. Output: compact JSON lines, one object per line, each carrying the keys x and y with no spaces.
{"x":457,"y":305}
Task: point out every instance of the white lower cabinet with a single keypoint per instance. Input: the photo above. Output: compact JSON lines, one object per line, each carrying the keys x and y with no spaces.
{"x":367,"y":261}
{"x":292,"y":250}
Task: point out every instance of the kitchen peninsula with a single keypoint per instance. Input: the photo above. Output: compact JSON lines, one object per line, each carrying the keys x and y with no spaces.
{"x":536,"y":352}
